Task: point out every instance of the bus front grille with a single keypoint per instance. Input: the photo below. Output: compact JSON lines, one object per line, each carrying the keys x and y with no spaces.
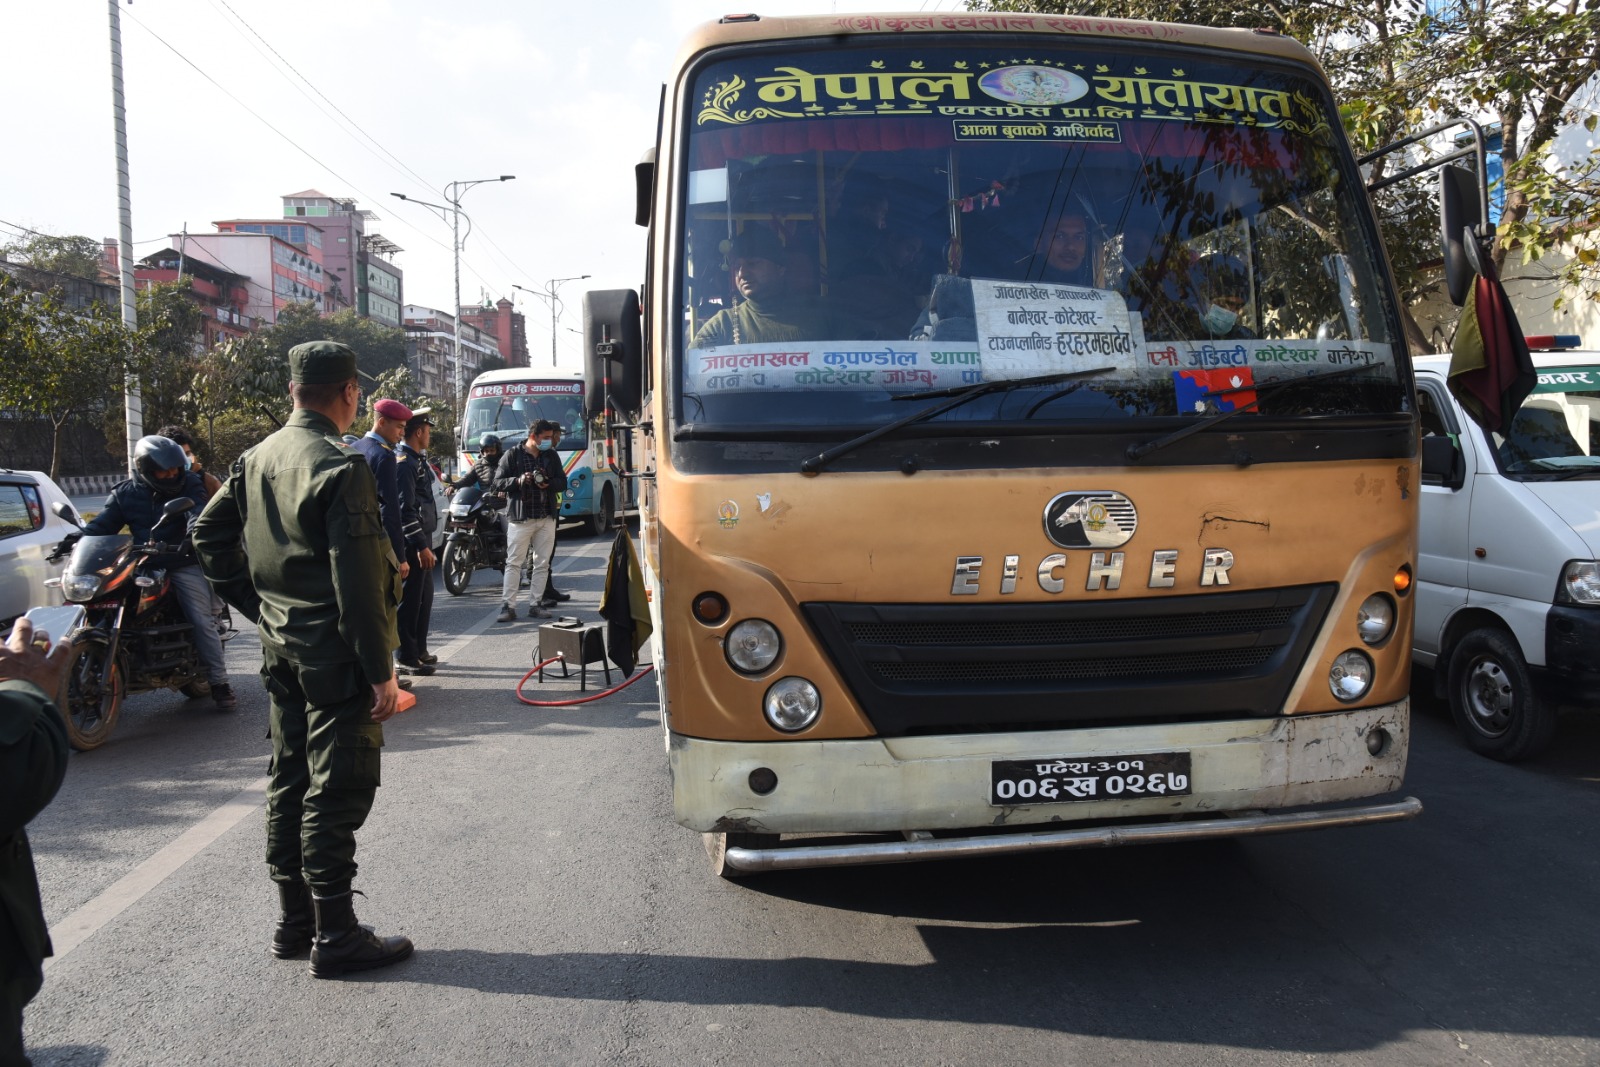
{"x":930,"y":668}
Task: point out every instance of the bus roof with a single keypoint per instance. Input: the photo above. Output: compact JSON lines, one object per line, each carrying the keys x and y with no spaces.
{"x":525,"y":374}
{"x":748,"y":28}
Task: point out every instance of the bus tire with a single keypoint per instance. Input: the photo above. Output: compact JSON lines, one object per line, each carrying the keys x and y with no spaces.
{"x":604,"y":520}
{"x":1493,"y":700}
{"x":717,"y":846}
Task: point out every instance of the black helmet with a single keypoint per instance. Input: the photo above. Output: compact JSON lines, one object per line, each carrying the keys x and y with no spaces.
{"x":488,"y":441}
{"x":152,"y":456}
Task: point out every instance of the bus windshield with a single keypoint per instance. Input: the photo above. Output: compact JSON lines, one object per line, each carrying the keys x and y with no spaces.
{"x":867,"y":222}
{"x":510,"y":408}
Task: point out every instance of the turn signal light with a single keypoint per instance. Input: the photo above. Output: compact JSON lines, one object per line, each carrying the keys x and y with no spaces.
{"x":1402,"y":580}
{"x":710,"y":608}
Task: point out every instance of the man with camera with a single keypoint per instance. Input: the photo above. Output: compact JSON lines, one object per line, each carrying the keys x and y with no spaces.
{"x":530,"y":475}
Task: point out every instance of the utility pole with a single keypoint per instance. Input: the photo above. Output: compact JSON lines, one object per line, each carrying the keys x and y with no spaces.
{"x":132,"y":403}
{"x":549,"y":293}
{"x":452,"y":195}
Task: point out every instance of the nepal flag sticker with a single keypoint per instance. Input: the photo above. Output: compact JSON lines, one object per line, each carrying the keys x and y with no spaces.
{"x":1225,"y":388}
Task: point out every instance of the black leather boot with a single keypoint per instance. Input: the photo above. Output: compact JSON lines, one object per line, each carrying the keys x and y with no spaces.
{"x":343,"y":945}
{"x":297,"y":925}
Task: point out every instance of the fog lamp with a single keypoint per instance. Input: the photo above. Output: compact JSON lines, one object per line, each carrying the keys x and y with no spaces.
{"x":1350,"y":676}
{"x":792,"y":704}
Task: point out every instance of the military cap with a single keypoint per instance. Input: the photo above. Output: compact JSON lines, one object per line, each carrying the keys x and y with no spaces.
{"x":321,"y":363}
{"x":758,"y":242}
{"x":392,"y":409}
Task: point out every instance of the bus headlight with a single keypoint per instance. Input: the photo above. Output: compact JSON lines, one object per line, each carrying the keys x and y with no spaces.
{"x":1350,"y":676}
{"x":1375,"y":619}
{"x":753,"y":645}
{"x":792,"y":704}
{"x":1580,"y":582}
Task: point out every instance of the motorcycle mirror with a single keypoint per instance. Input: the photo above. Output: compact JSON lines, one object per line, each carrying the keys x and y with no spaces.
{"x":174,"y":507}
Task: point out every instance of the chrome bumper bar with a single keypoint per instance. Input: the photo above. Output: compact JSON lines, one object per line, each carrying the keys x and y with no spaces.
{"x":929,"y":848}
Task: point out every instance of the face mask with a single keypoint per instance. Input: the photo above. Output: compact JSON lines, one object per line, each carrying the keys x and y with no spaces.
{"x":545,"y":446}
{"x":1220,"y":320}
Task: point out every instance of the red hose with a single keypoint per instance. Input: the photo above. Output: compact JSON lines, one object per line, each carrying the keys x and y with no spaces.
{"x":576,"y":700}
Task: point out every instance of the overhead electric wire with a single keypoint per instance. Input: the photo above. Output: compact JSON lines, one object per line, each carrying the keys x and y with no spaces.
{"x":403,"y":168}
{"x":296,"y":146}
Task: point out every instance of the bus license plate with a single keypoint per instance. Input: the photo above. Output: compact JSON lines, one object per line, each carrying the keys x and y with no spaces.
{"x":1061,"y":781}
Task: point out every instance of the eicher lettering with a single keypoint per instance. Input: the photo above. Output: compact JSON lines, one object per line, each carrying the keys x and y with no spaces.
{"x":1096,"y":570}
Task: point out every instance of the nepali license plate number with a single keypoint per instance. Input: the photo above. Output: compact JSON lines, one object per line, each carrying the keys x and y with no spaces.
{"x":1062,"y":781}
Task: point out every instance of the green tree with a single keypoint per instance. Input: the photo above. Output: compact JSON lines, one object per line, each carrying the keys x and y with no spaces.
{"x":75,"y":255}
{"x":58,"y":363}
{"x":1396,"y":68}
{"x":377,"y":347}
{"x":240,"y":383}
{"x":170,"y":338}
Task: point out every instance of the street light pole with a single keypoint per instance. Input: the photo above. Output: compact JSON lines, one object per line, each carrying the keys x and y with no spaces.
{"x":549,"y":293}
{"x":452,"y":195}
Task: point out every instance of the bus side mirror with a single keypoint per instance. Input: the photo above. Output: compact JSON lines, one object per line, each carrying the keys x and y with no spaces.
{"x":614,"y":352}
{"x":1459,"y":220}
{"x":644,"y":176}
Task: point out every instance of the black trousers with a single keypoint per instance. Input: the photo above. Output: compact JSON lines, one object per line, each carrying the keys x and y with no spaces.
{"x":416,"y":611}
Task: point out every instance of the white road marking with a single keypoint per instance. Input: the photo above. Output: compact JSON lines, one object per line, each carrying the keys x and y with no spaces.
{"x":126,"y":891}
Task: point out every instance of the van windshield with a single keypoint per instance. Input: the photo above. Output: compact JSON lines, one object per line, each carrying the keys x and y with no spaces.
{"x":866,"y":222}
{"x":1556,"y":431}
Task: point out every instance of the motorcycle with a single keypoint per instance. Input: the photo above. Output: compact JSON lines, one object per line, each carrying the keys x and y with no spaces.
{"x":134,"y":637}
{"x":474,"y":537}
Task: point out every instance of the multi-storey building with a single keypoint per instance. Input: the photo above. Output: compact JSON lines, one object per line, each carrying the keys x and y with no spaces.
{"x":276,"y":273}
{"x":359,"y":264}
{"x":430,"y":350}
{"x":508,"y":328}
{"x":221,"y":294}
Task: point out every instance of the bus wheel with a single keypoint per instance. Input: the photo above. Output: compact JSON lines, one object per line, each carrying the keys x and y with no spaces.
{"x":1493,"y":700}
{"x":604,"y":520}
{"x":717,"y":846}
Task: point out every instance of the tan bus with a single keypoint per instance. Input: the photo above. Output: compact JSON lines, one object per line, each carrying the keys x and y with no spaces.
{"x":1029,"y":453}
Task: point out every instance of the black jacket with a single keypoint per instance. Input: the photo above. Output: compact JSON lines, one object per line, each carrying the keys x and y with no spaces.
{"x":385,"y":468}
{"x":530,"y":501}
{"x":419,"y":514}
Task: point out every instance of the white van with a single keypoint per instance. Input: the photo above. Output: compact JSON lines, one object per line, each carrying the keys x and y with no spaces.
{"x":1508,"y":591}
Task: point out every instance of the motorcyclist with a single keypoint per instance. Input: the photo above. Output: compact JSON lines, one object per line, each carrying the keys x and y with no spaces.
{"x":160,"y":474}
{"x":482,"y":472}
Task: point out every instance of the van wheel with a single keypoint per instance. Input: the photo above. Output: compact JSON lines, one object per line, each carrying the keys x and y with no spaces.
{"x":717,"y":846}
{"x":1493,"y":700}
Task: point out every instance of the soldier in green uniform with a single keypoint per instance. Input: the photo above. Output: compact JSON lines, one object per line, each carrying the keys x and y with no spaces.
{"x":767,"y":312}
{"x":33,"y":760}
{"x":322,"y":584}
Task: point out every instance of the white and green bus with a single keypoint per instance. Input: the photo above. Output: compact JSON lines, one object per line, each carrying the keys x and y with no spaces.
{"x":508,"y":402}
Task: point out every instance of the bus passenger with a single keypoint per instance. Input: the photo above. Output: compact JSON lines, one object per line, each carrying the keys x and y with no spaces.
{"x":767,"y":313}
{"x":1223,"y":287}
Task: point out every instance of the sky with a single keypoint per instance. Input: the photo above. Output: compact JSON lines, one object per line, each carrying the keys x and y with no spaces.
{"x":232,"y":104}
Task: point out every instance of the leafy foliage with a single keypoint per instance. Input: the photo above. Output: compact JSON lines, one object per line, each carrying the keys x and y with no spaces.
{"x":74,"y":255}
{"x":1397,"y":68}
{"x":377,"y":347}
{"x":57,"y":363}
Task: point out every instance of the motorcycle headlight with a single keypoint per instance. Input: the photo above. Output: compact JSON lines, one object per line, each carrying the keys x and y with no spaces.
{"x":459,"y":510}
{"x":79,"y":587}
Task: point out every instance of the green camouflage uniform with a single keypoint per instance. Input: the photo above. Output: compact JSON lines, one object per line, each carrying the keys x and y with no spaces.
{"x":322,"y":584}
{"x":33,"y":760}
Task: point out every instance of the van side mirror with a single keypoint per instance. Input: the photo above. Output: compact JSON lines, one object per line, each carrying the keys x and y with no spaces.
{"x":1442,"y":463}
{"x":613,"y":351}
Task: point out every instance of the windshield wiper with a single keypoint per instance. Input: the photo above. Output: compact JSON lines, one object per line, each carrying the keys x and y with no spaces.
{"x":1141,"y":451}
{"x":955,"y":397}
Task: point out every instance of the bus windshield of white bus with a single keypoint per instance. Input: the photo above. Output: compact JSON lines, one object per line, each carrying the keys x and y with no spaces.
{"x":870,"y":221}
{"x":511,"y":408}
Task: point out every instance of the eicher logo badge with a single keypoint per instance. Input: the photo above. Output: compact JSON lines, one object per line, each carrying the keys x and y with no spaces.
{"x":1095,"y":519}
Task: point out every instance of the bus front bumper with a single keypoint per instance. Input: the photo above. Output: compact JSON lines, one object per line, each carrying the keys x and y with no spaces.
{"x":1243,"y":772}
